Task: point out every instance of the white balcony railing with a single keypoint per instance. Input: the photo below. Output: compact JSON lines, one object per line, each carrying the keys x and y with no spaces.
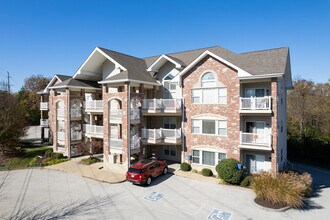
{"x":60,"y":135}
{"x":43,"y":105}
{"x":255,"y":103}
{"x":168,"y":135}
{"x":94,"y":105}
{"x":76,"y":135}
{"x":135,"y":142}
{"x":116,"y":143}
{"x":44,"y":122}
{"x":75,"y":113}
{"x":94,"y":130}
{"x":162,"y":104}
{"x":116,"y":114}
{"x":255,"y":139}
{"x":60,"y":112}
{"x":135,"y":114}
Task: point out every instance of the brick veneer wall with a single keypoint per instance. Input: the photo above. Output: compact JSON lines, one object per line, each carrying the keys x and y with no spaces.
{"x":228,"y":78}
{"x":274,"y":125}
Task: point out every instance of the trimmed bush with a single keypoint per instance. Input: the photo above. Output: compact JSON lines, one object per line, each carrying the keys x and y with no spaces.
{"x":48,"y":153}
{"x":56,"y":155}
{"x":227,"y":170}
{"x":246,"y":181}
{"x":194,"y":171}
{"x":286,"y":189}
{"x":34,"y":161}
{"x":90,"y":160}
{"x":207,"y":172}
{"x":51,"y":161}
{"x":185,"y":167}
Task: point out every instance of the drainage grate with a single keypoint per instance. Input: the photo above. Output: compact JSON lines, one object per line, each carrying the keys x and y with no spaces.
{"x":217,"y":214}
{"x":154,"y":196}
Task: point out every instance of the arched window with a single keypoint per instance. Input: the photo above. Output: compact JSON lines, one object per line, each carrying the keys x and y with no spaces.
{"x":208,"y":80}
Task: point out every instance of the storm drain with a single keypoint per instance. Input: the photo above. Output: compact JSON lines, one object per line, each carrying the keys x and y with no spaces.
{"x":154,"y":196}
{"x":217,"y":214}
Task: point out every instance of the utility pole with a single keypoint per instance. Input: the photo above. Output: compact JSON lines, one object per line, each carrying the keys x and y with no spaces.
{"x":8,"y":81}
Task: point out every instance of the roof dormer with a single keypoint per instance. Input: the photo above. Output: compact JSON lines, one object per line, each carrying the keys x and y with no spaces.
{"x":162,"y":60}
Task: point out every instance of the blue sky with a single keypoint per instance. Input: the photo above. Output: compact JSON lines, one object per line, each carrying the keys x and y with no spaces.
{"x":55,"y":37}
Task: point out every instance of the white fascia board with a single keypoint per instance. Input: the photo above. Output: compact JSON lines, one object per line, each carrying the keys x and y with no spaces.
{"x":262,"y":76}
{"x":128,"y":80}
{"x":51,"y":82}
{"x":89,"y":57}
{"x":78,"y":87}
{"x":178,"y":78}
{"x":177,"y":65}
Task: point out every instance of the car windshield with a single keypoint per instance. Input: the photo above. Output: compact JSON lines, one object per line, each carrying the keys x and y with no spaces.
{"x":133,"y":170}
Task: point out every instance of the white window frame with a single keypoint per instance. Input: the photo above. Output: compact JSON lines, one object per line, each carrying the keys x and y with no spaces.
{"x":200,"y":156}
{"x":198,"y":124}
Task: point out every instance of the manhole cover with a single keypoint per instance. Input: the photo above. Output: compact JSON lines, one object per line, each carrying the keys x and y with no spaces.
{"x":154,"y":196}
{"x":217,"y":214}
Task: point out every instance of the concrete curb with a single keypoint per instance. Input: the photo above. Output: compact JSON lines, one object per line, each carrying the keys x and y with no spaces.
{"x":270,"y":209}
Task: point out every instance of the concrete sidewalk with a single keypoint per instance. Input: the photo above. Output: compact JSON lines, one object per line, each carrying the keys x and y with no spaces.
{"x":116,"y":173}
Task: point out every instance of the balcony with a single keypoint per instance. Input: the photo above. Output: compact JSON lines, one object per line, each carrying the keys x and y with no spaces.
{"x":94,"y":131}
{"x":155,"y":136}
{"x":256,"y":105}
{"x":163,"y":106}
{"x":44,"y":123}
{"x":255,"y":141}
{"x":60,"y":136}
{"x":135,"y":142}
{"x":44,"y":106}
{"x":60,"y":113}
{"x":115,"y":116}
{"x":135,"y":115}
{"x":76,"y":135}
{"x":75,"y":113}
{"x":94,"y":106}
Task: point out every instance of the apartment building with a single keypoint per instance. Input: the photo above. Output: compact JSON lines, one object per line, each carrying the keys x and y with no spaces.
{"x":204,"y":105}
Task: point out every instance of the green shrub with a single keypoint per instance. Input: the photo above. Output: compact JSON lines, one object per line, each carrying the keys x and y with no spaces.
{"x":34,"y":161}
{"x":185,"y":167}
{"x":285,"y":189}
{"x":56,"y":155}
{"x":227,"y":170}
{"x":207,"y":172}
{"x":90,"y":160}
{"x":246,"y":181}
{"x":48,"y":153}
{"x":194,"y":171}
{"x":51,"y":161}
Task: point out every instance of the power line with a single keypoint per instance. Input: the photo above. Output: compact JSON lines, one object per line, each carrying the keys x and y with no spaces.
{"x":8,"y":80}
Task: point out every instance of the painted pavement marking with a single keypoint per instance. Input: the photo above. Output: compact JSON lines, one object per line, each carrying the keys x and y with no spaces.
{"x":217,"y":214}
{"x":154,"y":196}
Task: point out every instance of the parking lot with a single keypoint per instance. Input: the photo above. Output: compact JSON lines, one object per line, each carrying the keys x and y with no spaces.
{"x":45,"y":193}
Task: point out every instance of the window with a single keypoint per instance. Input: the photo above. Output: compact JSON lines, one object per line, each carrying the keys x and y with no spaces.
{"x":208,"y":126}
{"x":210,"y":95}
{"x":209,"y":157}
{"x":170,"y":151}
{"x":169,"y":122}
{"x":195,"y":156}
{"x":255,"y":92}
{"x":208,"y":80}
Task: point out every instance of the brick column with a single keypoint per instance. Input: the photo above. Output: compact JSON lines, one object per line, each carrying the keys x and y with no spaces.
{"x":274,"y":125}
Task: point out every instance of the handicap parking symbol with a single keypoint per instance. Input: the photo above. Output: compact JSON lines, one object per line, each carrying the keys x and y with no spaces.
{"x":154,"y":196}
{"x":217,"y":214}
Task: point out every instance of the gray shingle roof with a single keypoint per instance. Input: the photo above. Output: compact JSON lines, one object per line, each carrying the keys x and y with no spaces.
{"x":63,"y":77}
{"x":77,"y":83}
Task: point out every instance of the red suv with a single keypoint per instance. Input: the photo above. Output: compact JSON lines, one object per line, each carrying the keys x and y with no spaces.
{"x":143,"y":171}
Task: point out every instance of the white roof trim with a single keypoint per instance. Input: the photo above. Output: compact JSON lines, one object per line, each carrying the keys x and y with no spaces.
{"x":261,"y":76}
{"x":105,"y":55}
{"x":241,"y":72}
{"x":79,"y":87}
{"x":51,"y":82}
{"x":177,"y":65}
{"x":128,"y":80}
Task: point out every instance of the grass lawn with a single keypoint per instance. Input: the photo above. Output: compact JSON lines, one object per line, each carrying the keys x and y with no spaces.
{"x":22,"y":160}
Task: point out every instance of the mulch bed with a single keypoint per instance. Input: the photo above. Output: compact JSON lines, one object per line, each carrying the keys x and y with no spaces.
{"x":268,"y":204}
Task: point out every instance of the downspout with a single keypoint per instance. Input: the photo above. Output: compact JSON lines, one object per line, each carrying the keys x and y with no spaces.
{"x":129,"y":126}
{"x":69,"y":128}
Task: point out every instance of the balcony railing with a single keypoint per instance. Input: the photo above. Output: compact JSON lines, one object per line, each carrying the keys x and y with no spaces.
{"x":169,"y":105}
{"x":60,"y":135}
{"x":116,"y":143}
{"x":75,"y":113}
{"x":44,"y":123}
{"x":60,"y":112}
{"x":255,"y":139}
{"x":43,"y":105}
{"x":135,"y":142}
{"x":135,"y":114}
{"x":76,"y":136}
{"x":165,"y":135}
{"x":94,"y":105}
{"x":116,"y":114}
{"x":94,"y":131}
{"x":255,"y":103}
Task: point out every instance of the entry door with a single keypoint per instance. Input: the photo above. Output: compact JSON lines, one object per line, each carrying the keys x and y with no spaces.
{"x":257,"y":127}
{"x":255,"y":162}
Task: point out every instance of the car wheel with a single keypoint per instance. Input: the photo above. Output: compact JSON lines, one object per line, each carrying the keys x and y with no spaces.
{"x":165,"y":171}
{"x":148,"y":181}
